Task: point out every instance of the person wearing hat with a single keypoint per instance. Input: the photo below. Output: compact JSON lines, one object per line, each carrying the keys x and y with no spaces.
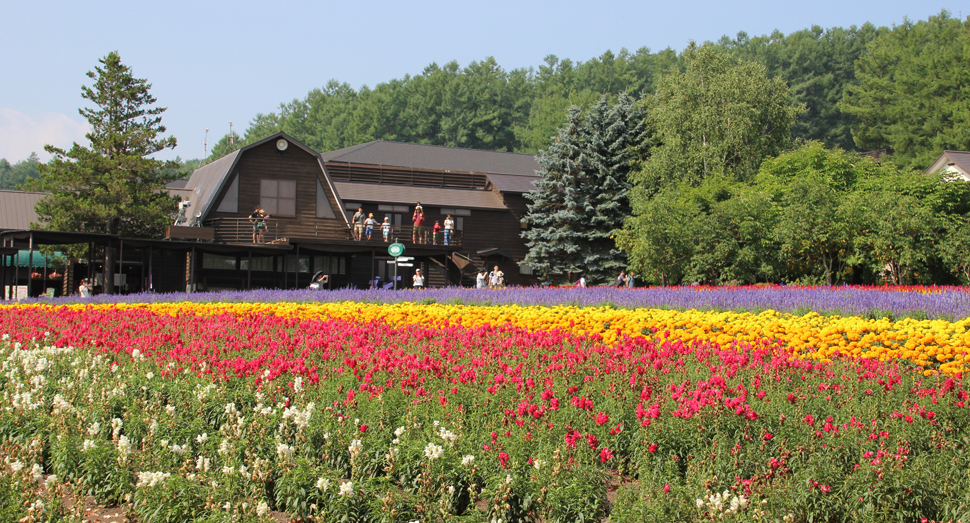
{"x":418,"y":279}
{"x":386,"y":228}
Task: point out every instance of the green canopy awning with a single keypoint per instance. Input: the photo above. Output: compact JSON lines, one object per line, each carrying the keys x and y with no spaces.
{"x":22,"y":258}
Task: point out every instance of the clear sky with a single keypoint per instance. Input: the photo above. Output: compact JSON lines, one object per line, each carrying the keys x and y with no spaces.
{"x":212,"y":62}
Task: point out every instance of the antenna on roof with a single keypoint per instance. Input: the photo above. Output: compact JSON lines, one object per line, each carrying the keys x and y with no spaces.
{"x":230,"y":135}
{"x":205,"y":147}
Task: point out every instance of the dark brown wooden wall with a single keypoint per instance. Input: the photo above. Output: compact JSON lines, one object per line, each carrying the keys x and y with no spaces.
{"x":265,"y":161}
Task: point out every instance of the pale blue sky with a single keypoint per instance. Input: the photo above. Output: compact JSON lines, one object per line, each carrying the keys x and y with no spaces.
{"x":215,"y":62}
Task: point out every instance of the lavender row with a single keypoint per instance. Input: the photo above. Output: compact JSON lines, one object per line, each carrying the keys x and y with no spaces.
{"x":946,"y":303}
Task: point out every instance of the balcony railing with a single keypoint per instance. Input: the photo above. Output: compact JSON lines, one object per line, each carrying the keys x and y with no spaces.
{"x":240,"y":230}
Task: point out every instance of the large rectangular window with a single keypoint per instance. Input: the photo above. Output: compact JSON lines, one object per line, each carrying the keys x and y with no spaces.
{"x":278,"y":197}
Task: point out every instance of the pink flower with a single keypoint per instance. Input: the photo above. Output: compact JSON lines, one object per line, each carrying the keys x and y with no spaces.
{"x":652,"y":448}
{"x":666,"y":488}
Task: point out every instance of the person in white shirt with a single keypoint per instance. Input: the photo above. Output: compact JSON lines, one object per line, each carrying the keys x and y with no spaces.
{"x":449,"y":229}
{"x":84,"y":289}
{"x":496,"y":278}
{"x":481,"y":279}
{"x":418,"y":279}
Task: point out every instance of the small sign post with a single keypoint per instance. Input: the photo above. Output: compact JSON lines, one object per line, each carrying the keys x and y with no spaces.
{"x":396,"y":250}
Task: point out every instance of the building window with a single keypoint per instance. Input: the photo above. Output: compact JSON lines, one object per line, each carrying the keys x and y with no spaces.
{"x":278,"y":197}
{"x":456,"y":212}
{"x":394,"y":208}
{"x":525,"y":268}
{"x":215,"y":261}
{"x":260,"y":263}
{"x":303,"y":266}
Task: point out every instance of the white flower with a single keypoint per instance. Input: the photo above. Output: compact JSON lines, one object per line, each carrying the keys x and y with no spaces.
{"x":447,"y":435}
{"x":284,"y":451}
{"x":178,"y":450}
{"x":150,"y":375}
{"x":347,"y":489}
{"x":433,"y":451}
{"x":262,"y":509}
{"x":298,"y":384}
{"x":116,"y":425}
{"x":508,"y":479}
{"x":150,"y":479}
{"x":355,"y":448}
{"x":468,"y":459}
{"x":228,"y":470}
{"x":51,"y":480}
{"x":16,"y":466}
{"x":451,"y":489}
{"x":88,"y":445}
{"x":202,"y":464}
{"x":170,"y":409}
{"x":399,"y":431}
{"x":37,"y":472}
{"x":323,"y":484}
{"x":124,"y":447}
{"x":538,"y":463}
{"x":94,"y":429}
{"x":227,"y":506}
{"x":202,"y":438}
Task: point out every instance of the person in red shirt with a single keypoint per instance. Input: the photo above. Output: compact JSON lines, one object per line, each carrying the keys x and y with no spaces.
{"x":435,"y":230}
{"x":418,"y":219}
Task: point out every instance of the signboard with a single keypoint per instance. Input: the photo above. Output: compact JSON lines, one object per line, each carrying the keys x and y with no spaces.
{"x":395,"y":249}
{"x":405,"y":265}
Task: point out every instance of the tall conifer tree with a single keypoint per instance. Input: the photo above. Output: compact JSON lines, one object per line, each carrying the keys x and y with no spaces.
{"x":113,"y":186}
{"x":583,"y":197}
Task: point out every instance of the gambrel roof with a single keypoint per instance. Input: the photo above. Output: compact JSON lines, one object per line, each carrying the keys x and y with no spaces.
{"x":206,"y":182}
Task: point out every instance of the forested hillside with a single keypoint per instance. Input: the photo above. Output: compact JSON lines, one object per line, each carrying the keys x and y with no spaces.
{"x":485,"y":106}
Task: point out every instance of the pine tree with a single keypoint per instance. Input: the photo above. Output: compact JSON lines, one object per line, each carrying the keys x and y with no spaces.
{"x":583,"y":197}
{"x":113,"y":186}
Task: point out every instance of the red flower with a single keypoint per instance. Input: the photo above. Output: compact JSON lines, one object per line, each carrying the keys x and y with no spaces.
{"x":666,"y":487}
{"x":363,"y":428}
{"x":825,"y":488}
{"x":605,"y":455}
{"x":652,"y":448}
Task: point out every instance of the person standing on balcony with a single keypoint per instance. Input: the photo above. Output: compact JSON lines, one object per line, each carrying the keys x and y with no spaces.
{"x":359,"y":223}
{"x":369,"y":225}
{"x":386,"y":228}
{"x":435,"y":230}
{"x":449,"y":229}
{"x":258,"y":219}
{"x":417,"y":235}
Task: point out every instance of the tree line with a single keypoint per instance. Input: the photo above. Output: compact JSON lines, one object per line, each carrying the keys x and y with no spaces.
{"x":484,"y":106}
{"x":722,"y":191}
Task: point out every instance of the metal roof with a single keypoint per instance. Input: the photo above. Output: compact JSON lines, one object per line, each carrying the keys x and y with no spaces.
{"x":435,"y":157}
{"x":513,"y":183}
{"x":406,"y":194}
{"x":206,"y":180}
{"x":17,"y":209}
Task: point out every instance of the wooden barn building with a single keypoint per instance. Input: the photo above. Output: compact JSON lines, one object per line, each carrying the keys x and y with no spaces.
{"x":310,"y":198}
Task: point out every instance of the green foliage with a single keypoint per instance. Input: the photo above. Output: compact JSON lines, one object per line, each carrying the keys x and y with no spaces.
{"x":719,"y":117}
{"x":580,"y":204}
{"x":113,"y":186}
{"x":910,"y":96}
{"x":12,"y":177}
{"x":817,"y":64}
{"x":813,"y":216}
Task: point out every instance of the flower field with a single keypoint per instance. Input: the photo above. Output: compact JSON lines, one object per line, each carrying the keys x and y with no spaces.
{"x":431,"y":408}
